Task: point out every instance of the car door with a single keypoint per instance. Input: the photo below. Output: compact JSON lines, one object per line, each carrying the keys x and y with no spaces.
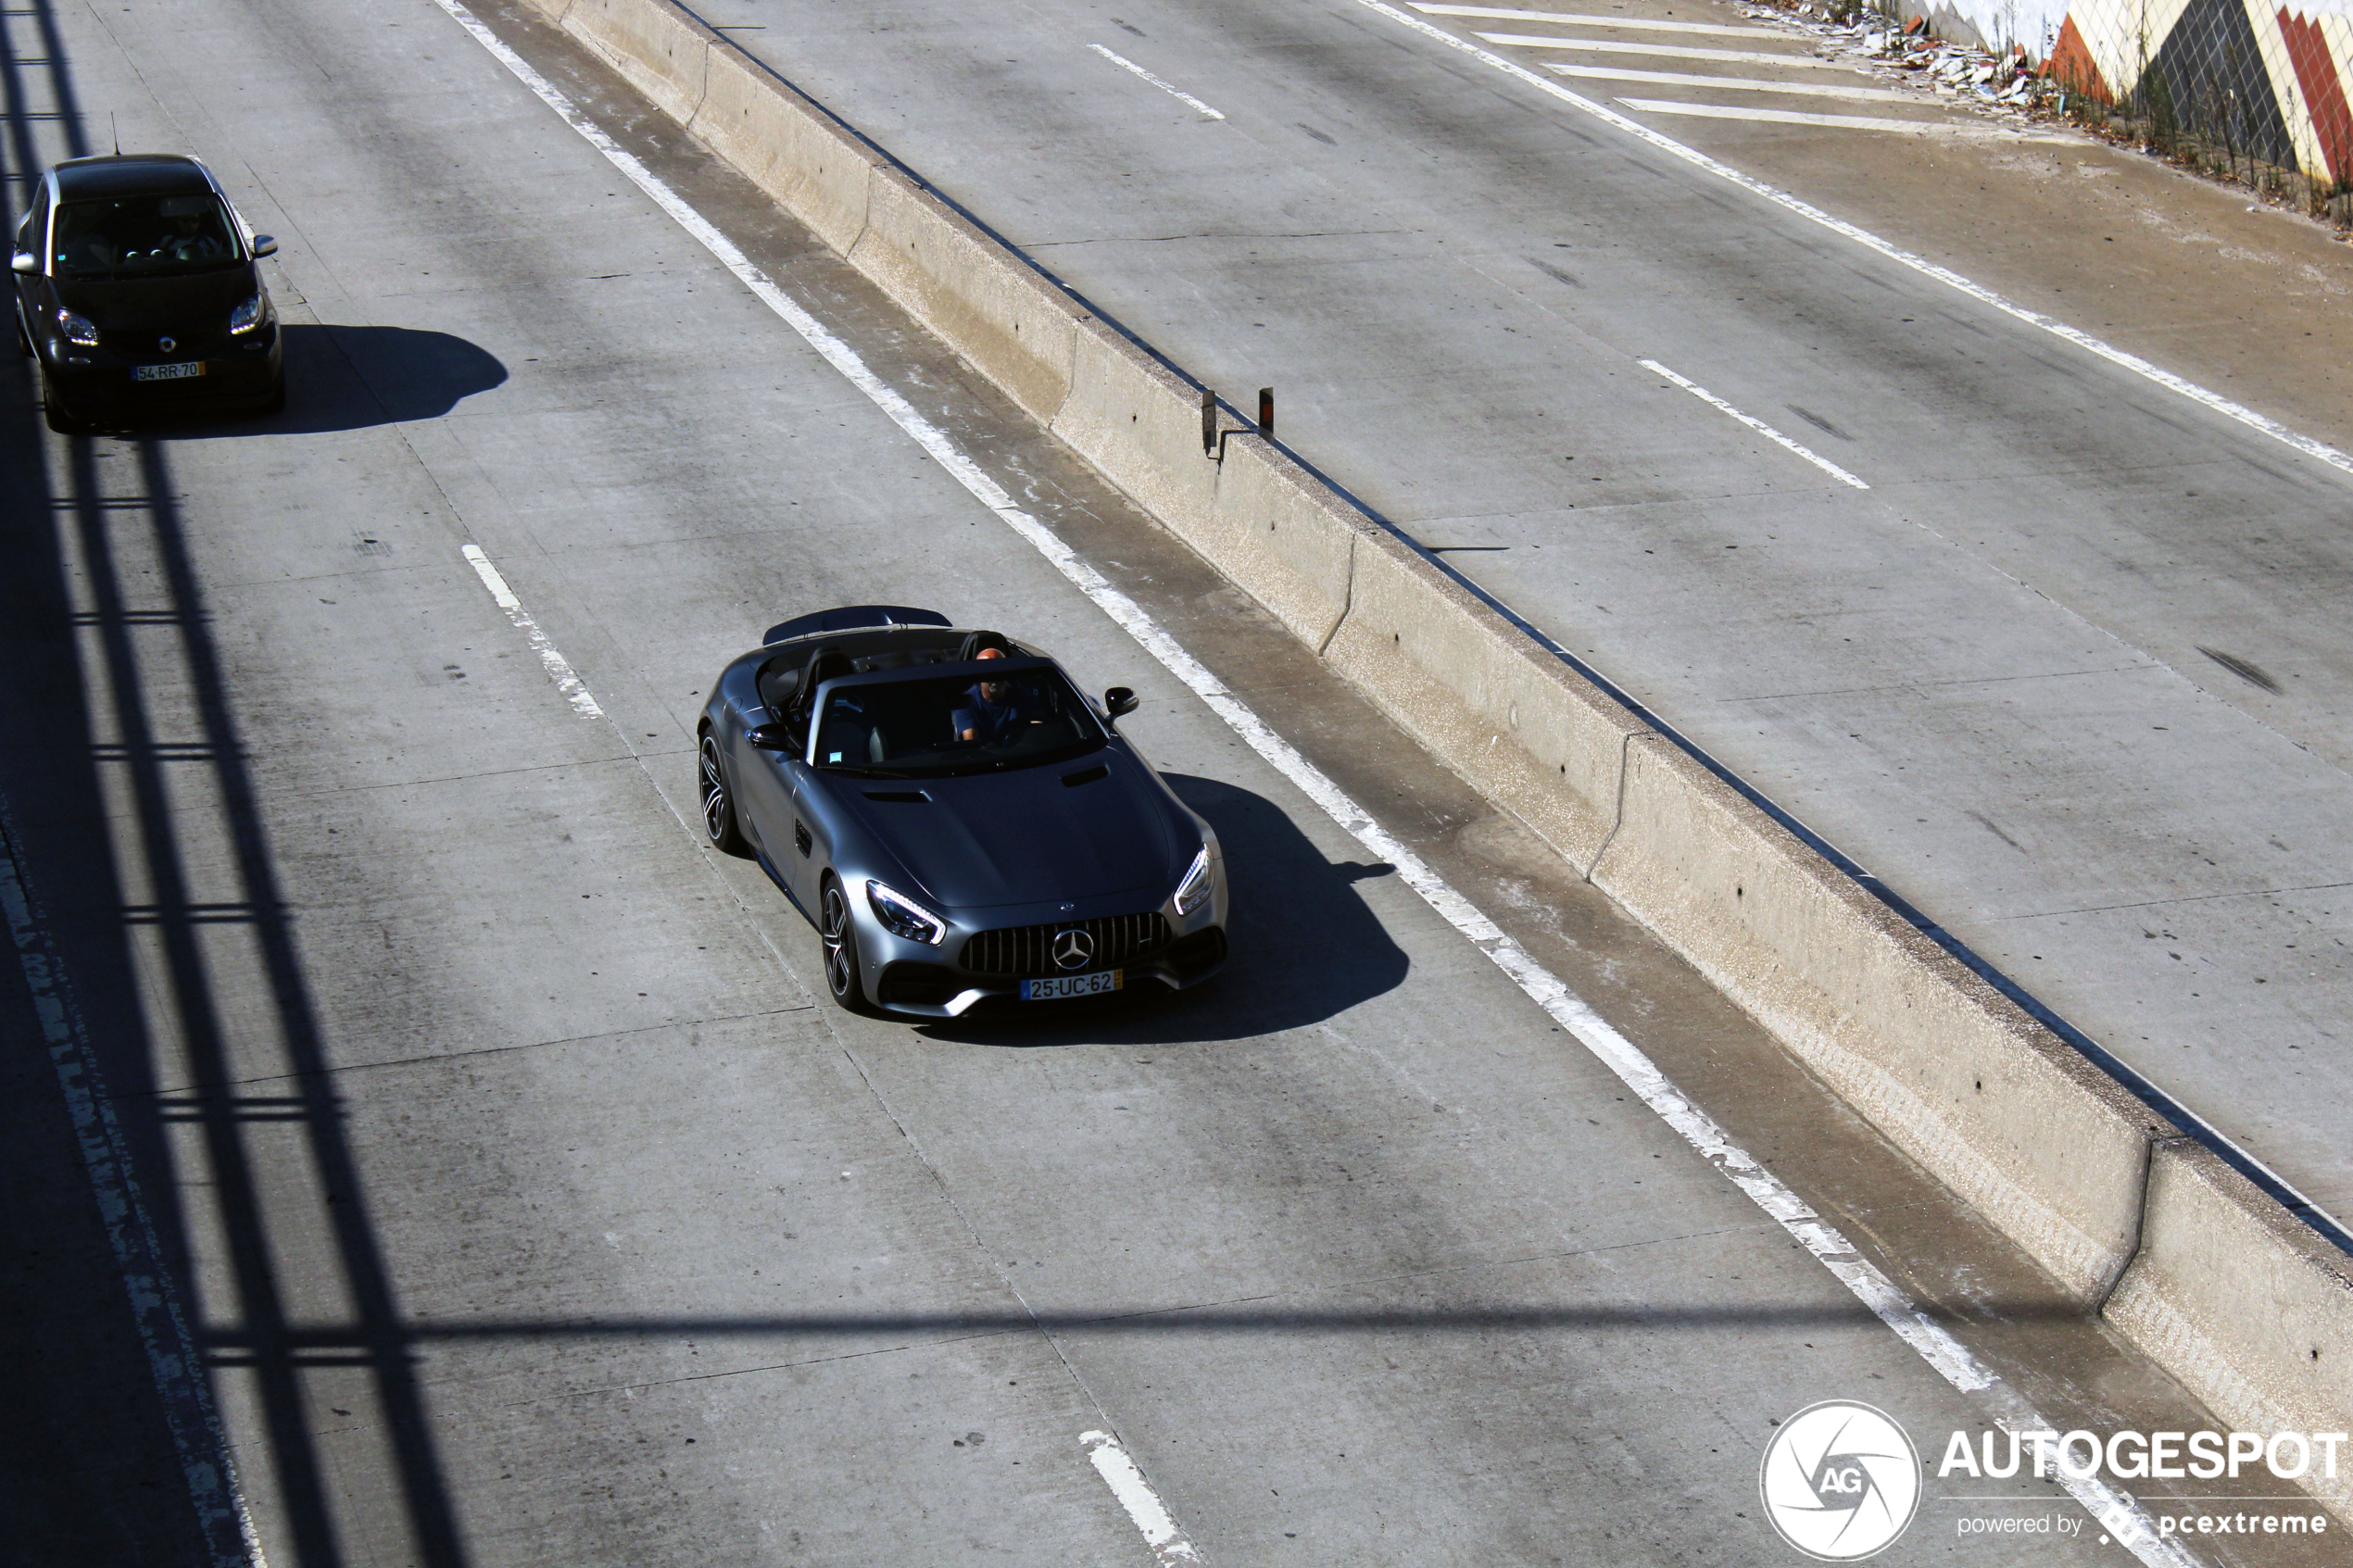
{"x":32,"y":239}
{"x":764,"y":782}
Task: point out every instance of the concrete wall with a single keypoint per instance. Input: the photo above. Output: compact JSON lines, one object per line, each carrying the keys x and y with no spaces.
{"x":2052,"y":1151}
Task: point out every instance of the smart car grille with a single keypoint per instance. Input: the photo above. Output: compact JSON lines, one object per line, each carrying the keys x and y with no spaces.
{"x":1029,"y":950}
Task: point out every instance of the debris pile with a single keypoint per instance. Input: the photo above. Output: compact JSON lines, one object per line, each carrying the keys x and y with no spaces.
{"x":1962,"y":71}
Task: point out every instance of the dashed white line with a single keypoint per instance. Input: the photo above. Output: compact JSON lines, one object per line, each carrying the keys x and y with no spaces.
{"x":559,"y":669}
{"x":1759,"y":426}
{"x":1950,"y":1359}
{"x":1136,"y":1494}
{"x":1124,"y":63}
{"x":1948,"y":128}
{"x":2317,"y":450}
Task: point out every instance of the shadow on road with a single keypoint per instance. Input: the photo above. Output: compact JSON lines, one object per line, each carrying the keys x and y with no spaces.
{"x":351,"y":378}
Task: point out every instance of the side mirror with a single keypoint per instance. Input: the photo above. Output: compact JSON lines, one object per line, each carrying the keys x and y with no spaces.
{"x":770,"y":737}
{"x":24,"y":264}
{"x":263,"y":245}
{"x":1118,"y":702}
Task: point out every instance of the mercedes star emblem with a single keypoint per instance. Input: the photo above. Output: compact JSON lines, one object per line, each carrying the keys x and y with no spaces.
{"x":1073,"y":948}
{"x":167,"y":344}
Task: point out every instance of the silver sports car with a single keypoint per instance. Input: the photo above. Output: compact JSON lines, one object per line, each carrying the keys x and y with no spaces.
{"x":957,"y":821}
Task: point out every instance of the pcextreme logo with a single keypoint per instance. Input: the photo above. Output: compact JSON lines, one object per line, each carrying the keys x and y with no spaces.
{"x":1840,"y":1481}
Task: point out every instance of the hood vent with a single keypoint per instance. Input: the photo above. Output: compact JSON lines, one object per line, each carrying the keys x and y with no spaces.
{"x":1085,"y":776}
{"x":899,"y":797}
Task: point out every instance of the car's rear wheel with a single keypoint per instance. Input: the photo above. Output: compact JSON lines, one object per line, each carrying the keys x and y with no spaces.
{"x":838,"y":933}
{"x":717,"y":806}
{"x":53,"y":410}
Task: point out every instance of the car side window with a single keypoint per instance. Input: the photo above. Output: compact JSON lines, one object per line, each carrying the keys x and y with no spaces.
{"x":35,"y":224}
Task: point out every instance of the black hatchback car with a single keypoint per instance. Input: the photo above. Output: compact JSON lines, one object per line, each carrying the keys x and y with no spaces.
{"x":137,"y":292}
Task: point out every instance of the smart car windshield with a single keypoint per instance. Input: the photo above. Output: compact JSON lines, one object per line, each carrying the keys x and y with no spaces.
{"x":144,"y":236}
{"x":934,"y":727}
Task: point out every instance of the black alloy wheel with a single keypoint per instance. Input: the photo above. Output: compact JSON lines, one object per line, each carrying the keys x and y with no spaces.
{"x":719,"y":807}
{"x":53,"y":410}
{"x":839,"y":935}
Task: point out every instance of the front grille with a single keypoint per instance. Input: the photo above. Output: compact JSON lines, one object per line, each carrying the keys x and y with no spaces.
{"x":1029,"y":950}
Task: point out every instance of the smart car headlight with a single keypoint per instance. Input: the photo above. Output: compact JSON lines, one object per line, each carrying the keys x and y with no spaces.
{"x":901,"y":916}
{"x":78,"y":329}
{"x":1200,"y":882}
{"x":249,"y":315}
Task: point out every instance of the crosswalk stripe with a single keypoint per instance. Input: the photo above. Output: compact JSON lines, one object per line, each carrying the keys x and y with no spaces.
{"x":1665,"y":51}
{"x":1740,"y":83}
{"x":1835,"y":122}
{"x":1646,"y":24}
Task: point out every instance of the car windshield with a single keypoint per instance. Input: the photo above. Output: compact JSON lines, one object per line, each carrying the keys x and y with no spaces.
{"x":955,"y":724}
{"x":144,"y":236}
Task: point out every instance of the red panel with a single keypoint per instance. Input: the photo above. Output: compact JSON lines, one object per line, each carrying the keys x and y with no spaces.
{"x":2072,"y":66}
{"x":2324,"y":92}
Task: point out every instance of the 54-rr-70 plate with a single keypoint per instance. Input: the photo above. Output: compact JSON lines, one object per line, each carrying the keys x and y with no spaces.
{"x":168,"y":372}
{"x":1054,"y":987}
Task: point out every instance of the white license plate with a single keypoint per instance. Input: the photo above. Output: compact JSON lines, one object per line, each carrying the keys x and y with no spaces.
{"x":167,"y":373}
{"x":1060,"y":985}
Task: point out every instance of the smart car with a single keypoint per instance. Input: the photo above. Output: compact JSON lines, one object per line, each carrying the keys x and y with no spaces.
{"x":958,"y":822}
{"x":136,"y":289}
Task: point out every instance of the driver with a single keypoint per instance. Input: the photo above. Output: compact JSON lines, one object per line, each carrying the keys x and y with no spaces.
{"x":189,"y":241}
{"x":992,"y":709}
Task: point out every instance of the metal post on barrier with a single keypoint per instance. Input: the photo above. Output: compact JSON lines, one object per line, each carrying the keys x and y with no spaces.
{"x":1210,"y":445}
{"x":1267,"y":412}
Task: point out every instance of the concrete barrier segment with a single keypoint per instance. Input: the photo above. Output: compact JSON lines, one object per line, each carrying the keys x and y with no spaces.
{"x":1525,"y":731}
{"x":2048,"y":1148}
{"x":662,"y":51}
{"x":788,"y":146}
{"x":2208,"y":1273}
{"x":1139,"y":423}
{"x":1006,"y":322}
{"x":2244,"y":1305}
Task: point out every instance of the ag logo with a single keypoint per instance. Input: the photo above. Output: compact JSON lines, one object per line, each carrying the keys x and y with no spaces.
{"x":1840,"y":1481}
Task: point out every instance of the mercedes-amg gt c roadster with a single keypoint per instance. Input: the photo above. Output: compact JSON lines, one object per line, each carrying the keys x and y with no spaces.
{"x":958,"y":822}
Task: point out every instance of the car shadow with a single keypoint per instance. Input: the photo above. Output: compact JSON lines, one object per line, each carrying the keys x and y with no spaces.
{"x":1304,"y":947}
{"x":351,"y":378}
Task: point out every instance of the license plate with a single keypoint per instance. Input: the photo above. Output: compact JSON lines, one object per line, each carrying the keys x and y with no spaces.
{"x":167,"y":373}
{"x":1060,"y":985}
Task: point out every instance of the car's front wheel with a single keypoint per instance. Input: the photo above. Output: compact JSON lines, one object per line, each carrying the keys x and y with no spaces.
{"x":719,"y":822}
{"x":839,"y":935}
{"x":53,"y":410}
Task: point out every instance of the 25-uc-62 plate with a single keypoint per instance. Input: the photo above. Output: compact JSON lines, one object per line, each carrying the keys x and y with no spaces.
{"x":1055,"y":987}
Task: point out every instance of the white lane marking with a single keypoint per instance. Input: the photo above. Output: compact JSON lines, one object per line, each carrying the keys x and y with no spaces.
{"x":2317,"y":450}
{"x":1929,"y":1340}
{"x":1834,"y":121}
{"x":1740,"y":84}
{"x":1124,"y":63}
{"x":1669,"y":51}
{"x":559,"y":669}
{"x":1136,"y":1494}
{"x":174,"y":1361}
{"x":1645,"y":24}
{"x":1759,"y":426}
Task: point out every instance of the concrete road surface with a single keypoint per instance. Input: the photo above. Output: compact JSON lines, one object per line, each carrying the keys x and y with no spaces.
{"x":2071,"y":674}
{"x":518,"y":1200}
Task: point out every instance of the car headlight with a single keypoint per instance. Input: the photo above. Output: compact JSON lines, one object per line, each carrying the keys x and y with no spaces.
{"x":1199,"y":884}
{"x":78,"y":329}
{"x":249,"y":315}
{"x":901,"y":916}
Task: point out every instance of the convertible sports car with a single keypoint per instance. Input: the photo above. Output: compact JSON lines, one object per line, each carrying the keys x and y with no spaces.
{"x":958,"y":823}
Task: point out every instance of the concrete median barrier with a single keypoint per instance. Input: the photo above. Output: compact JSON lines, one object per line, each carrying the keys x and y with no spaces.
{"x":2244,"y":1304}
{"x":2217,"y":1282}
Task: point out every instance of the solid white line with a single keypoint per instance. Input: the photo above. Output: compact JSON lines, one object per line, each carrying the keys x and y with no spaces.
{"x":1739,"y":83}
{"x":1136,"y":1494}
{"x":1929,"y":1340}
{"x":174,"y":1361}
{"x":1669,"y":51}
{"x":1178,"y":93}
{"x":1759,"y":426}
{"x":2317,"y":450}
{"x":559,"y":669}
{"x":1832,"y":121}
{"x":1646,"y":24}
